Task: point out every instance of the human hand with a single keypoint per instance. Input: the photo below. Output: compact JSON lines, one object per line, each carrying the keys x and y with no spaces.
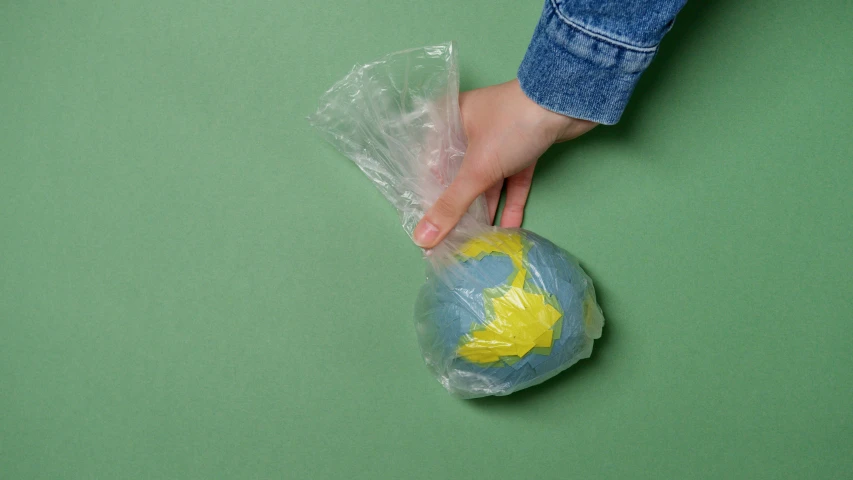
{"x":507,"y":133}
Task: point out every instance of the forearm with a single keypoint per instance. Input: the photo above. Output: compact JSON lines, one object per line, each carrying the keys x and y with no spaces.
{"x":586,"y":56}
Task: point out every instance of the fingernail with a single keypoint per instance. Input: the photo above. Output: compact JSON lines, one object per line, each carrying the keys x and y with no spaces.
{"x":425,"y":234}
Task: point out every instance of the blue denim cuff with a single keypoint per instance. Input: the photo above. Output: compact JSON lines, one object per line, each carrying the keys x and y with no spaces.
{"x":571,"y":70}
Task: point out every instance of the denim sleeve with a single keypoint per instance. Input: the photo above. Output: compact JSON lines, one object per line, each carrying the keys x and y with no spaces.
{"x":586,"y":56}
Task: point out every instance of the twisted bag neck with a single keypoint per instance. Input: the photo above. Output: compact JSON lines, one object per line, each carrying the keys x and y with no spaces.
{"x":398,"y":119}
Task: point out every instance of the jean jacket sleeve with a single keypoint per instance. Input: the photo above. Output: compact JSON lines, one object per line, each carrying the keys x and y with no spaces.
{"x":586,"y":56}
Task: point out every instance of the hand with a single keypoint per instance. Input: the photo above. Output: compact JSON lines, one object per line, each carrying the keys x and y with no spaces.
{"x":507,"y":133}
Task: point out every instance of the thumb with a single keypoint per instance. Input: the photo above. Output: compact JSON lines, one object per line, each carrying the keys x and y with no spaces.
{"x":440,"y":219}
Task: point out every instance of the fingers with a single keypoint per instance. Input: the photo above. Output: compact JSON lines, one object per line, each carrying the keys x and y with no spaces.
{"x":493,"y":196}
{"x":517,"y":189}
{"x":470,"y":183}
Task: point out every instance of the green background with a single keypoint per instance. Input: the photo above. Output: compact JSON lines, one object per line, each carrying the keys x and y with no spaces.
{"x":194,"y":285}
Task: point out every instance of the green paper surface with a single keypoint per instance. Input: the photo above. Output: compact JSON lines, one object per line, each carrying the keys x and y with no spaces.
{"x":174,"y":238}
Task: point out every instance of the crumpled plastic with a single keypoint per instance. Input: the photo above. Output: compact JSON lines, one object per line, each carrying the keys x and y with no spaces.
{"x":501,"y":309}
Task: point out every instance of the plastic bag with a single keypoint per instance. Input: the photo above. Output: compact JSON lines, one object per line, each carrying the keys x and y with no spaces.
{"x":501,"y":309}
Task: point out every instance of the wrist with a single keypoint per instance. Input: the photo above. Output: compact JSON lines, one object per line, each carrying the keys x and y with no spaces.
{"x":559,"y":127}
{"x":572,"y":127}
{"x":562,"y":127}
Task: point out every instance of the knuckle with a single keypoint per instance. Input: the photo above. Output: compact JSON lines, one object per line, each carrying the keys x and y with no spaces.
{"x":514,"y":208}
{"x":521,"y":181}
{"x":444,"y":208}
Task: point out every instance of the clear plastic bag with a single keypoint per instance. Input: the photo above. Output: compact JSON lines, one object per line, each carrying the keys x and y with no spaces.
{"x":501,"y":309}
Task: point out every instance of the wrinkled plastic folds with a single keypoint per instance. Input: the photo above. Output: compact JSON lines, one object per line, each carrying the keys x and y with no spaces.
{"x":501,"y":309}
